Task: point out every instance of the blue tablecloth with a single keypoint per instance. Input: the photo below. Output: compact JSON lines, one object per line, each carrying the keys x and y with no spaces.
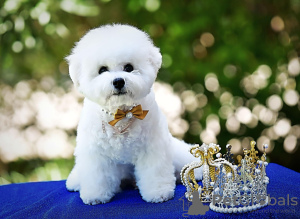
{"x":52,"y":200}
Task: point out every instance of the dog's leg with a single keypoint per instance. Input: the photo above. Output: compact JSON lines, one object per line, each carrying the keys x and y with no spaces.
{"x":154,"y":174}
{"x":73,"y":180}
{"x":99,"y":178}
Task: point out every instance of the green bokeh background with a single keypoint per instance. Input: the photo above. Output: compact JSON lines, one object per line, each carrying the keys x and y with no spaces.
{"x":36,"y":35}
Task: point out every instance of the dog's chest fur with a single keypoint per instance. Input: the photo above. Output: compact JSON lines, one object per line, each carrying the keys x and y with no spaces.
{"x":125,"y":147}
{"x":105,"y":140}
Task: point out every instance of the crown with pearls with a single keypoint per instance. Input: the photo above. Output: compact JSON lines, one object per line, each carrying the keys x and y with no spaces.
{"x":229,"y":188}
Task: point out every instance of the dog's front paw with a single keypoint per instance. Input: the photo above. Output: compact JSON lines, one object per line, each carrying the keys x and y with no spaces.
{"x":90,"y":197}
{"x":72,"y":182}
{"x":72,"y":185}
{"x":157,"y":195}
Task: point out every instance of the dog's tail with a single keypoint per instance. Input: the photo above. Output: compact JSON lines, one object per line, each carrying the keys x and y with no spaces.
{"x":182,"y":156}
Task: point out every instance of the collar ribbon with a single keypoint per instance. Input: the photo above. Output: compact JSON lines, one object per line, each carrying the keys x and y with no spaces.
{"x":136,"y":111}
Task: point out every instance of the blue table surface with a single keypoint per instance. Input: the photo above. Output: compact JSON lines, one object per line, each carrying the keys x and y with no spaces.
{"x":52,"y":200}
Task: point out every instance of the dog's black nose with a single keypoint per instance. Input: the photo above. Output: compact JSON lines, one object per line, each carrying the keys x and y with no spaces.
{"x":118,"y":83}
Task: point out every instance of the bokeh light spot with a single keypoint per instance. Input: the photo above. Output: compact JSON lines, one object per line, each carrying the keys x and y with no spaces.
{"x":80,"y":8}
{"x":282,"y":127}
{"x":225,"y":97}
{"x":236,"y":145}
{"x":290,"y":144}
{"x":244,"y":115}
{"x":166,"y":60}
{"x":207,"y":39}
{"x":211,"y":82}
{"x":267,"y":116}
{"x":30,"y":42}
{"x":230,"y":71}
{"x":295,"y":130}
{"x":213,"y":124}
{"x":274,"y":102}
{"x":12,"y":5}
{"x":62,"y":30}
{"x":172,"y":107}
{"x":199,"y":51}
{"x":265,"y":140}
{"x":225,"y":111}
{"x":17,"y":46}
{"x":19,"y":24}
{"x":291,"y":97}
{"x":208,"y":136}
{"x":195,"y":128}
{"x":232,"y":124}
{"x":44,"y":18}
{"x":189,"y":100}
{"x":3,"y":28}
{"x":152,"y":5}
{"x":294,"y":67}
{"x":202,"y":100}
{"x":277,"y":24}
{"x":264,"y":71}
{"x":270,"y":132}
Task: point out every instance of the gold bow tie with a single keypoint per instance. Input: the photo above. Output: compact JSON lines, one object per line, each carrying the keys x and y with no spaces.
{"x":136,"y":111}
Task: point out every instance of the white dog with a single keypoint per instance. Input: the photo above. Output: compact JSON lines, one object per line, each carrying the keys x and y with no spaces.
{"x":114,"y":67}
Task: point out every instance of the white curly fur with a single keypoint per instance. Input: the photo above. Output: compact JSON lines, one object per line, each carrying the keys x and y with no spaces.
{"x":147,"y":152}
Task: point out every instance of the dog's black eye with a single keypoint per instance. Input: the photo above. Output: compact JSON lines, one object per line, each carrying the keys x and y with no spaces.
{"x":103,"y":69}
{"x":128,"y":68}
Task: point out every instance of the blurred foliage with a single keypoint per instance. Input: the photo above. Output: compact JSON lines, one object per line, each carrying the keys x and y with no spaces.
{"x":233,"y":40}
{"x":36,"y":170}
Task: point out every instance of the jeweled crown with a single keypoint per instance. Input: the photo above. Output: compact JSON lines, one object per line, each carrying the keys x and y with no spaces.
{"x":228,"y":187}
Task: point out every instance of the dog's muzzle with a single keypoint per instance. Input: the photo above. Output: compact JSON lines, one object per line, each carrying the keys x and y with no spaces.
{"x":119,"y":83}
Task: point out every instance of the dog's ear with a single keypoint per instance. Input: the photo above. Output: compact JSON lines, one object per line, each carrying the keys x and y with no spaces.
{"x":155,"y":58}
{"x":74,"y":69}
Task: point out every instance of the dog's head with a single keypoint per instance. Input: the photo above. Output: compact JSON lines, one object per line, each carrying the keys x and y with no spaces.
{"x":114,"y":65}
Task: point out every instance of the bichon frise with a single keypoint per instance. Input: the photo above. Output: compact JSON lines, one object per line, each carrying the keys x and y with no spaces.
{"x":114,"y":67}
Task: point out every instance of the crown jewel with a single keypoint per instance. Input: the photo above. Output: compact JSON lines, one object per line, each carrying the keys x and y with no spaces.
{"x":229,"y":188}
